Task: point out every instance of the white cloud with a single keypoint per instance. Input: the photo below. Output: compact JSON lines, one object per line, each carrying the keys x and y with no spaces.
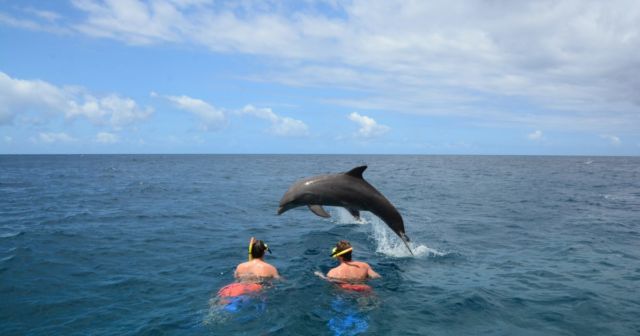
{"x":283,"y":126}
{"x":44,"y":21}
{"x":368,"y":127}
{"x":112,"y":110}
{"x":535,"y":135}
{"x":43,"y":14}
{"x":576,"y":58}
{"x":614,"y":140}
{"x":137,"y":22}
{"x":22,"y":95}
{"x":573,"y":56}
{"x":53,"y":137}
{"x":211,"y":117}
{"x":36,"y":97}
{"x":107,"y":138}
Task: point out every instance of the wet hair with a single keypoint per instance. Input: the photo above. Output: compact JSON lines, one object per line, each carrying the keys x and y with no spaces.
{"x":341,"y":246}
{"x":258,"y":248}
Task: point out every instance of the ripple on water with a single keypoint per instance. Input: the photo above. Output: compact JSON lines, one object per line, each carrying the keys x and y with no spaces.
{"x":7,"y":235}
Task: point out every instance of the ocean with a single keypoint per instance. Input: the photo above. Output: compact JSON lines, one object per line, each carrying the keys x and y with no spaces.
{"x":140,"y":245}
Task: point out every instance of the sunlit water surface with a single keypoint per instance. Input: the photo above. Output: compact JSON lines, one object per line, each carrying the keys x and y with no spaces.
{"x":136,"y":244}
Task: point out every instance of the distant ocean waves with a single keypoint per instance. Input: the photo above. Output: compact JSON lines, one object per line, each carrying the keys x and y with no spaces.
{"x":140,"y":244}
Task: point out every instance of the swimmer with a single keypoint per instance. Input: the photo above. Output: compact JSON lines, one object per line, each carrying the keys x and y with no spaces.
{"x":348,"y":272}
{"x":252,"y":274}
{"x":256,"y":269}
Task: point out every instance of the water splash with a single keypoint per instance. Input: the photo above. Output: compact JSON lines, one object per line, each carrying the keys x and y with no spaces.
{"x":391,"y":245}
{"x":388,"y":243}
{"x":342,"y":216}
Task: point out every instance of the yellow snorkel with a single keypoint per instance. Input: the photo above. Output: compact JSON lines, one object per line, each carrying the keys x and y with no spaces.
{"x":335,"y":255}
{"x":251,"y":241}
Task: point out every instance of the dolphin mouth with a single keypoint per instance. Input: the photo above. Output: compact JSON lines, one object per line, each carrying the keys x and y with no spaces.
{"x":281,"y":210}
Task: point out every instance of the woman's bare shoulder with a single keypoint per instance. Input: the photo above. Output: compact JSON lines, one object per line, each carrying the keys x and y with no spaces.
{"x":242,"y":265}
{"x":359,"y":264}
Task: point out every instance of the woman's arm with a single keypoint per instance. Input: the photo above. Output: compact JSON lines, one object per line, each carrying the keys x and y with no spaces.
{"x":332,"y":280}
{"x":372,"y":274}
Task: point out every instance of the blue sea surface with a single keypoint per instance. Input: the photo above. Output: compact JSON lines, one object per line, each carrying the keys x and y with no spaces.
{"x":140,"y":245}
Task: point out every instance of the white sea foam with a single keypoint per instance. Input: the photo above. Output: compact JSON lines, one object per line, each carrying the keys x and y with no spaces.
{"x":622,"y":198}
{"x":342,"y":216}
{"x":391,"y":245}
{"x":388,"y":243}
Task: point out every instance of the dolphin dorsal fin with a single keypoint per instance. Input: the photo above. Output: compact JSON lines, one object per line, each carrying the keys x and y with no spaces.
{"x":356,"y":172}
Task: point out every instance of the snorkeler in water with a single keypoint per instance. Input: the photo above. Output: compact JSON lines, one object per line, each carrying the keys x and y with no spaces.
{"x":349,"y":274}
{"x":251,"y":274}
{"x":256,"y":269}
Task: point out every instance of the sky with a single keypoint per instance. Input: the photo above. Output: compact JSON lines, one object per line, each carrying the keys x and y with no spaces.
{"x":345,"y":77}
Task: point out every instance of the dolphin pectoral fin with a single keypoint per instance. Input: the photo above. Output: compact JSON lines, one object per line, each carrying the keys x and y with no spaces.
{"x":318,"y":210}
{"x":355,"y":213}
{"x":357,"y":172}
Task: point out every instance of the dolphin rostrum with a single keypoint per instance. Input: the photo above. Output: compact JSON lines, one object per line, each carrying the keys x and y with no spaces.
{"x":348,"y":190}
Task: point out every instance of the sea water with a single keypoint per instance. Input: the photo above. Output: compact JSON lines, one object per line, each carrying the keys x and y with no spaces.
{"x":140,"y":244}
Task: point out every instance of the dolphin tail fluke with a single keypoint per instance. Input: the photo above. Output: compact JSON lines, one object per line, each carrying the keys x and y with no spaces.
{"x":405,"y":240}
{"x":408,"y":248}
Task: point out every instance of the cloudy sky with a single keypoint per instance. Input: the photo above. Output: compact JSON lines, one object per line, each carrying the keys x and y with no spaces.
{"x":423,"y":77}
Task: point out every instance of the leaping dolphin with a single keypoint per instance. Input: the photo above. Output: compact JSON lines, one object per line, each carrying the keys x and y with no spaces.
{"x":348,"y":190}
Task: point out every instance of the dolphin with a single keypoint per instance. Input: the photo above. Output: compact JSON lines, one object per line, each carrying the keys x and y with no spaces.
{"x":348,"y":190}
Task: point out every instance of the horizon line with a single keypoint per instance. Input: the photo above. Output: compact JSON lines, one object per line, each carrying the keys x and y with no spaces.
{"x":327,"y":154}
